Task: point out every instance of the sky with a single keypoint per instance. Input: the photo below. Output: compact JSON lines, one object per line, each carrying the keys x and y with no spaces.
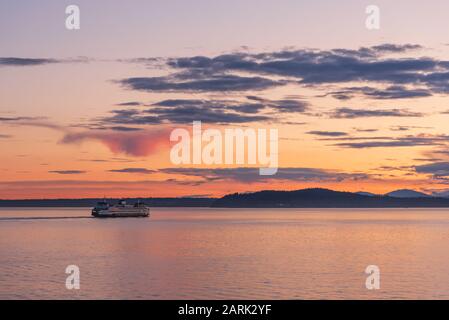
{"x":89,"y":112}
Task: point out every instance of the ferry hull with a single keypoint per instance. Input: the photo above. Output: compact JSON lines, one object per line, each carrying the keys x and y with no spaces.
{"x":121,"y":213}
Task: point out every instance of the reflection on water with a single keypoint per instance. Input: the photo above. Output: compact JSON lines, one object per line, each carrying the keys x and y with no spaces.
{"x":188,"y":253}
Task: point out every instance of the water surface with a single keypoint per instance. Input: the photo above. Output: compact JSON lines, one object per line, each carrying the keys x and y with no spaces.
{"x":202,"y":253}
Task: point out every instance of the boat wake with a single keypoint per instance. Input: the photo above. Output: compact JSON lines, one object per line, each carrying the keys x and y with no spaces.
{"x":43,"y":218}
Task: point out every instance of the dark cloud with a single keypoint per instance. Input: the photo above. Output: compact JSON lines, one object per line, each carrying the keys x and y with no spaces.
{"x":123,"y":128}
{"x":129,"y":104}
{"x":20,"y":62}
{"x":349,"y":113}
{"x":68,"y":172}
{"x":133,"y":170}
{"x":251,"y":175}
{"x":397,"y":92}
{"x":327,"y":66}
{"x":394,"y":48}
{"x":408,"y":77}
{"x":385,"y":142}
{"x":129,"y":117}
{"x":183,"y":114}
{"x":437,"y":169}
{"x":5,"y":136}
{"x":251,"y":108}
{"x":24,"y":62}
{"x":388,"y":93}
{"x":243,"y":107}
{"x":182,"y":111}
{"x":328,"y":133}
{"x":283,"y":105}
{"x":378,"y":50}
{"x":438,"y":81}
{"x":255,"y":104}
{"x":180,"y":115}
{"x":426,"y":159}
{"x":221,"y":83}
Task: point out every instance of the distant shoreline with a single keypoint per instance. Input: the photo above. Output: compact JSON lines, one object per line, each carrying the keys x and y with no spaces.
{"x":306,"y":198}
{"x":90,"y":202}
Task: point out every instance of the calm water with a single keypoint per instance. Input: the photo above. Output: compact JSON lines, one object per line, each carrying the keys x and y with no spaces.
{"x":226,"y":253}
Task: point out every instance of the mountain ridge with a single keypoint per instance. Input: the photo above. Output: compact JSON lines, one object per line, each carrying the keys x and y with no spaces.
{"x":323,"y":198}
{"x":407,"y":193}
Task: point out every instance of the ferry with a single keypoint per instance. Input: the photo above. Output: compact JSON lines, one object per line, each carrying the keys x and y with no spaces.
{"x":121,"y":210}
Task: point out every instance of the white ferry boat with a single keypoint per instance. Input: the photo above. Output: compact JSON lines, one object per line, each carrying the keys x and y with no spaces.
{"x":105,"y":210}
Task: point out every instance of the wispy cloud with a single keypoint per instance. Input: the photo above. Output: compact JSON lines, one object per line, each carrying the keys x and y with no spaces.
{"x":15,"y":119}
{"x":251,"y":175}
{"x":20,"y":62}
{"x":26,"y":62}
{"x":138,"y":144}
{"x":67,"y":172}
{"x":328,"y":133}
{"x":133,"y":170}
{"x":349,"y":113}
{"x":129,"y":104}
{"x":390,"y":142}
{"x":388,"y":93}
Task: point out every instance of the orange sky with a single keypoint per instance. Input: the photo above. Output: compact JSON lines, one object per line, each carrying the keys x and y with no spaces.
{"x":364,"y":113}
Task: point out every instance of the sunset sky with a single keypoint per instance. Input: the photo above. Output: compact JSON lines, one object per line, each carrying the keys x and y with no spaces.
{"x":88,"y":113}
